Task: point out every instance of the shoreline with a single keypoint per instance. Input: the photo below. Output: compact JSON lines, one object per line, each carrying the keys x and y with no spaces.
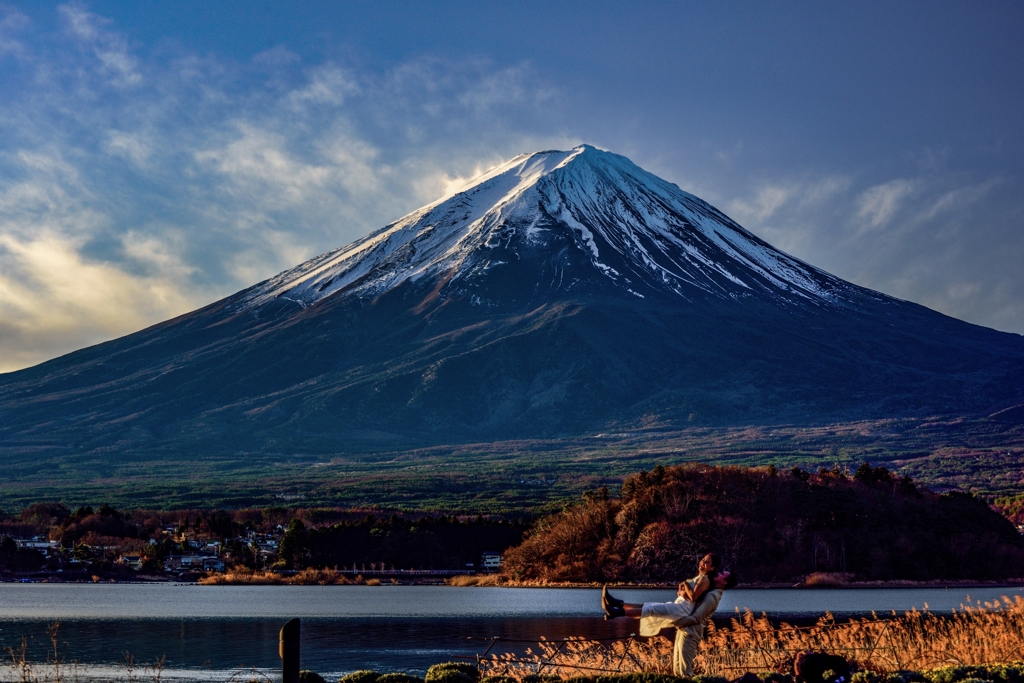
{"x":491,"y":581}
{"x":853,"y":585}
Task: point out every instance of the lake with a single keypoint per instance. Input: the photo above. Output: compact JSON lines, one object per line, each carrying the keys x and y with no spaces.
{"x":231,"y":632}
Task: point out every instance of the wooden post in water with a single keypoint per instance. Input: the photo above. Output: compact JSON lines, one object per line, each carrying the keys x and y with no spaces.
{"x":289,"y":651}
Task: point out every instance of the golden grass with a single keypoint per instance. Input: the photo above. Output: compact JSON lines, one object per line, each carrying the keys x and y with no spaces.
{"x":475,"y":580}
{"x":582,"y":657}
{"x":992,"y":633}
{"x":307,"y":577}
{"x":826,"y":579}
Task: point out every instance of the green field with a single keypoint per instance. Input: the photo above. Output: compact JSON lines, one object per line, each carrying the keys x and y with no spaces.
{"x":979,"y":455}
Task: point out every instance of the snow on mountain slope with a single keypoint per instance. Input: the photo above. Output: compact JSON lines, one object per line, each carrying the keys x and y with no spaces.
{"x":633,"y":229}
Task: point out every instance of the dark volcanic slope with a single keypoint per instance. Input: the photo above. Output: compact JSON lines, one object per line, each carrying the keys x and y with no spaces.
{"x":563,"y":293}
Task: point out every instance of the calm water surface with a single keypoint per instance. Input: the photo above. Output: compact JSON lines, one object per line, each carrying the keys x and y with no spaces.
{"x":219,"y":632}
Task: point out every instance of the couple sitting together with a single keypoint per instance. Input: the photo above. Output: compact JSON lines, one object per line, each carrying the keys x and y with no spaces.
{"x":696,"y":602}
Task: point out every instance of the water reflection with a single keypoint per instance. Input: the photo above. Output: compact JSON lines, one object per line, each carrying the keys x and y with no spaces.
{"x":220,"y":632}
{"x":329,"y":645}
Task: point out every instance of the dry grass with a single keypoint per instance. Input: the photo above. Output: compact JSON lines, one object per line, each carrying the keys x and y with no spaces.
{"x":243,"y":577}
{"x":826,"y":579}
{"x":582,"y":657}
{"x":56,"y":670}
{"x":475,"y":580}
{"x":992,"y":633}
{"x":307,"y":577}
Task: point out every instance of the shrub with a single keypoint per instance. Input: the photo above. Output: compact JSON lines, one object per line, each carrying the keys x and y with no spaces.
{"x":996,"y":673}
{"x":399,"y":678}
{"x":452,"y":672}
{"x":307,"y":676}
{"x":500,"y":679}
{"x":362,"y":676}
{"x":905,"y":677}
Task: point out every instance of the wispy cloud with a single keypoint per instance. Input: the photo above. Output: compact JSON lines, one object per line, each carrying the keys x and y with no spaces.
{"x":128,"y":146}
{"x":327,"y":85}
{"x":109,"y":48}
{"x":877,"y":205}
{"x":770,"y":197}
{"x":11,"y":23}
{"x":160,"y":183}
{"x":53,"y":298}
{"x":958,"y":199}
{"x":166,"y":178}
{"x":916,"y":238}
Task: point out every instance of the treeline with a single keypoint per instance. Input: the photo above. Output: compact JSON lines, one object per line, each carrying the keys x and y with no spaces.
{"x":90,"y":540}
{"x":1011,"y":507}
{"x":771,"y":525}
{"x":309,"y":537}
{"x":444,"y":542}
{"x":59,"y":522}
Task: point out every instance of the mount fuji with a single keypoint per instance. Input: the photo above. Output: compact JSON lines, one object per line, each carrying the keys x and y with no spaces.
{"x":563,"y":293}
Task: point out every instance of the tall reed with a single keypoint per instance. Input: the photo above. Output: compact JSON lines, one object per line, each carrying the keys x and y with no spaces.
{"x":989,"y":633}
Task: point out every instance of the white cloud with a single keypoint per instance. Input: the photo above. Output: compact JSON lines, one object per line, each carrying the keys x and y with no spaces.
{"x":11,"y":23}
{"x":41,"y":188}
{"x":727,"y":156}
{"x":328,"y":85}
{"x":453,"y":184}
{"x":260,"y":168}
{"x":110,"y":48}
{"x":770,"y":197}
{"x":161,"y":182}
{"x":766,"y":202}
{"x":877,"y":205}
{"x":922,"y":239}
{"x":128,"y":146}
{"x":275,"y":251}
{"x":160,"y":254}
{"x":958,"y":199}
{"x":168,"y":179}
{"x":504,"y":87}
{"x":277,"y":56}
{"x":51,"y":299}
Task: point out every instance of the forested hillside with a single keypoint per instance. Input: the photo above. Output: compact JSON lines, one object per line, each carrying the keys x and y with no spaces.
{"x":771,"y":525}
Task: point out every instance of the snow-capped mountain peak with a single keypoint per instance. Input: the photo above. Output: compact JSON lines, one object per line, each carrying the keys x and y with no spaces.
{"x":587,"y":215}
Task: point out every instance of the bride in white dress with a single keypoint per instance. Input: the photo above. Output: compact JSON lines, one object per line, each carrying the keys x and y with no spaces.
{"x":655,"y":616}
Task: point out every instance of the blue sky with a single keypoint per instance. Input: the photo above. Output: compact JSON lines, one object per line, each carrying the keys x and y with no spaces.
{"x":157,"y":156}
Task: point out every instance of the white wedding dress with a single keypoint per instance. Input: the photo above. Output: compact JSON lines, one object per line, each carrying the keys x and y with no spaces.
{"x":661,"y":615}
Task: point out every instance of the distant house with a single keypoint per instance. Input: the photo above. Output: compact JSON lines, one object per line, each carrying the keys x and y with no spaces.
{"x":198,"y":563}
{"x":131,"y":561}
{"x":490,"y":562}
{"x":39,"y":543}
